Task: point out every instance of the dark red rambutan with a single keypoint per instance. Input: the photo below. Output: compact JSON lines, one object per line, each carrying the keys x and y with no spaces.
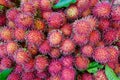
{"x":68,"y":74}
{"x":56,"y":20}
{"x":32,"y":48}
{"x":42,"y":75}
{"x":67,"y":61}
{"x":72,"y":12}
{"x":3,"y":52}
{"x":13,"y":76}
{"x":55,"y":38}
{"x":66,"y":29}
{"x":100,"y":75}
{"x":103,"y":24}
{"x":2,"y":19}
{"x":39,"y":24}
{"x":11,"y":14}
{"x":102,"y":9}
{"x":87,"y":50}
{"x":24,"y":20}
{"x":116,"y":13}
{"x":87,"y":76}
{"x":6,"y":34}
{"x":45,"y":47}
{"x":28,"y":76}
{"x":81,"y":27}
{"x":29,"y":66}
{"x":11,"y":47}
{"x":27,"y":8}
{"x":81,"y":62}
{"x":19,"y":34}
{"x":80,"y":39}
{"x":46,"y":15}
{"x":21,"y":56}
{"x":116,"y":24}
{"x":34,"y":37}
{"x":94,"y":37}
{"x":55,"y":53}
{"x":86,"y":12}
{"x":67,"y":47}
{"x":18,"y":69}
{"x":101,"y":55}
{"x":55,"y":67}
{"x":93,"y":2}
{"x":41,"y":63}
{"x":6,"y":63}
{"x":110,"y":36}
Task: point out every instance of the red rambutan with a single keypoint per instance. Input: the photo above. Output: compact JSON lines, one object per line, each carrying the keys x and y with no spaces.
{"x":28,"y":76}
{"x":100,"y":75}
{"x":18,"y":69}
{"x":87,"y":76}
{"x":39,"y":25}
{"x":32,"y":48}
{"x":93,"y":2}
{"x":42,"y":75}
{"x":46,"y":15}
{"x":86,"y":12}
{"x":13,"y":76}
{"x":3,"y":52}
{"x":6,"y":63}
{"x":55,"y":77}
{"x":55,"y":53}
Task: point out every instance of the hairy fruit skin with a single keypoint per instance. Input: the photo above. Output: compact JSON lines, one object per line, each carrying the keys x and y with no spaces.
{"x":100,"y":75}
{"x":13,"y":76}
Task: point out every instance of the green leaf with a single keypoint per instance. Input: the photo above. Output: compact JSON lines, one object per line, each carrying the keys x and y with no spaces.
{"x":1,"y":7}
{"x":110,"y":73}
{"x":63,"y":3}
{"x":4,"y":74}
{"x":94,"y":67}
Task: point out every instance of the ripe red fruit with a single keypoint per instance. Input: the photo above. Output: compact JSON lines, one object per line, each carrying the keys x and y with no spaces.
{"x":32,"y":48}
{"x":28,"y":76}
{"x":93,"y":2}
{"x":55,"y":77}
{"x":6,"y":63}
{"x":87,"y":76}
{"x":55,"y":53}
{"x":42,"y":75}
{"x":18,"y":69}
{"x":41,"y":63}
{"x":100,"y":75}
{"x":39,"y":24}
{"x":67,"y":47}
{"x":3,"y":52}
{"x":46,"y":15}
{"x":13,"y":76}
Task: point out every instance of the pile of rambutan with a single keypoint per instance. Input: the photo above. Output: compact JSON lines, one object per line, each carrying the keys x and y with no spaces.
{"x":43,"y":43}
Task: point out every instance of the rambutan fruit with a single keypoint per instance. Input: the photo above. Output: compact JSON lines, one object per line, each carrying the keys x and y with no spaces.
{"x":67,"y":47}
{"x":11,"y":14}
{"x":24,"y":20}
{"x":112,"y":64}
{"x":18,"y":69}
{"x":87,"y":76}
{"x":94,"y":37}
{"x":67,"y":61}
{"x":35,"y":37}
{"x":24,"y":1}
{"x":45,"y":47}
{"x":87,"y":50}
{"x":80,"y":39}
{"x":29,"y":66}
{"x":81,"y":27}
{"x":68,"y":74}
{"x":116,"y":24}
{"x":81,"y":62}
{"x":86,"y":12}
{"x":56,"y":20}
{"x":55,"y":67}
{"x":32,"y":48}
{"x":42,"y":75}
{"x":11,"y":47}
{"x":5,"y":2}
{"x":39,"y":24}
{"x":55,"y":53}
{"x":2,"y":19}
{"x":116,"y":13}
{"x":72,"y":12}
{"x":28,"y":76}
{"x":6,"y":34}
{"x":110,"y":36}
{"x":21,"y":56}
{"x":11,"y":24}
{"x":100,"y":75}
{"x":55,"y":38}
{"x":19,"y":34}
{"x":100,"y":44}
{"x":46,"y":15}
{"x":102,"y":9}
{"x":101,"y":55}
{"x":6,"y":63}
{"x":41,"y":63}
{"x":13,"y":76}
{"x":3,"y":52}
{"x":27,"y":8}
{"x":93,"y":2}
{"x":66,"y":29}
{"x":55,"y":77}
{"x":36,"y":3}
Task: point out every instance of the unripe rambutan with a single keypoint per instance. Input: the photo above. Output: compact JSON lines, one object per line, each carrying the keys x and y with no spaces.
{"x":55,"y":67}
{"x":56,"y":20}
{"x":55,"y":53}
{"x":87,"y":76}
{"x":34,"y":37}
{"x":72,"y":12}
{"x":66,"y":29}
{"x":2,"y":19}
{"x":55,"y":38}
{"x":24,"y":20}
{"x":39,"y":25}
{"x":81,"y":62}
{"x":3,"y":52}
{"x":41,"y":63}
{"x":28,"y":76}
{"x":102,"y":9}
{"x":87,"y":50}
{"x":6,"y":63}
{"x":32,"y":48}
{"x":100,"y":75}
{"x":11,"y":14}
{"x":21,"y":56}
{"x":13,"y":76}
{"x":18,"y":69}
{"x":68,"y":74}
{"x":19,"y":34}
{"x":101,"y":55}
{"x":116,"y":12}
{"x":67,"y":47}
{"x":45,"y":47}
